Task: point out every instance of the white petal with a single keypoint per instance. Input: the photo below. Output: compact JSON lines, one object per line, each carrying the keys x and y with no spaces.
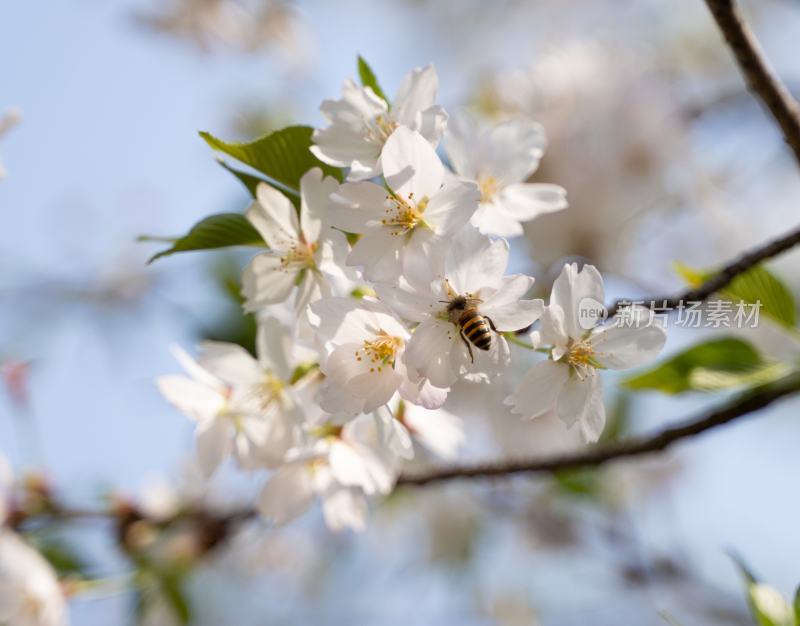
{"x":343,"y":508}
{"x":462,"y":145}
{"x":506,"y":310}
{"x":287,"y":494}
{"x":378,"y":253}
{"x":409,"y":303}
{"x":474,"y":261}
{"x":265,"y":281}
{"x":491,"y":219}
{"x":429,"y":350}
{"x":335,"y":399}
{"x":423,"y":393}
{"x":315,"y":192}
{"x":354,"y":465}
{"x":432,"y":124}
{"x":452,"y":206}
{"x":526,"y":201}
{"x":439,"y":431}
{"x":274,"y":217}
{"x":575,"y":397}
{"x":417,"y":93}
{"x":594,"y":419}
{"x":539,"y":388}
{"x":358,"y":207}
{"x":619,"y":347}
{"x":230,"y":362}
{"x":573,"y":291}
{"x":411,"y":166}
{"x":213,"y":440}
{"x":513,"y":149}
{"x":274,"y":347}
{"x":341,"y":146}
{"x":190,"y":397}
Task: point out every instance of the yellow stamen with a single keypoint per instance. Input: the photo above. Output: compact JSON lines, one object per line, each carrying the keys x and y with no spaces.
{"x":488,"y":186}
{"x":380,"y":351}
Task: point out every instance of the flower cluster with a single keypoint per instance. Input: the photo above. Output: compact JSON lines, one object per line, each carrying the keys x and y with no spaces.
{"x":395,"y":285}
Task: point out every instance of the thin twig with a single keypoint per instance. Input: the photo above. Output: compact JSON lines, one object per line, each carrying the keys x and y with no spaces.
{"x":760,"y":77}
{"x":723,"y":278}
{"x":593,"y":457}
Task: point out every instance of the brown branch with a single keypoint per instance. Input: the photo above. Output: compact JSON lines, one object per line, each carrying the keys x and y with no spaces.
{"x":723,"y":278}
{"x":593,"y":457}
{"x":760,"y":77}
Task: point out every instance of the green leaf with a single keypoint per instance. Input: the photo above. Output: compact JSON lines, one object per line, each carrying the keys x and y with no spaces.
{"x":680,"y":372}
{"x":797,"y":606}
{"x":368,"y":79}
{"x":755,"y":285}
{"x":283,"y":156}
{"x":216,"y":231}
{"x":63,"y":557}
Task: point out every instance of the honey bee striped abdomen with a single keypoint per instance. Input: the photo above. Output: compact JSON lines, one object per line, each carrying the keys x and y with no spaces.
{"x":476,"y":329}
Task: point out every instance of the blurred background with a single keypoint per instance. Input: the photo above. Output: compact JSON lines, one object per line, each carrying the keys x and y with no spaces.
{"x":665,"y":157}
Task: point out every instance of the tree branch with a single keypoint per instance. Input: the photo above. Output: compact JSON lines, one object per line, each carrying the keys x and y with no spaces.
{"x":723,"y":278}
{"x":761,"y":79}
{"x":743,"y":405}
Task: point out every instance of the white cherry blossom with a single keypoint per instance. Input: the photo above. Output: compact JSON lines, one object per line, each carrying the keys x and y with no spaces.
{"x":363,"y":345}
{"x":410,"y":222}
{"x":225,"y":414}
{"x":472,"y":274}
{"x":30,"y":594}
{"x":500,"y":159}
{"x":568,"y":382}
{"x":341,"y":467}
{"x":303,"y":252}
{"x":361,"y":122}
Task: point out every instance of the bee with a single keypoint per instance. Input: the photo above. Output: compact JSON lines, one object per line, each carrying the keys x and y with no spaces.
{"x":474,"y":328}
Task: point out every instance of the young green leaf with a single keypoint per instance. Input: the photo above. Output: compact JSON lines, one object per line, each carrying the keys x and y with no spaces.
{"x":368,"y":79}
{"x":283,"y":156}
{"x":797,"y":607}
{"x":679,"y":373}
{"x":755,"y":285}
{"x":216,"y":231}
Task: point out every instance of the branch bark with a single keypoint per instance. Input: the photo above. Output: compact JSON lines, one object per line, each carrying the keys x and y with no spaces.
{"x":593,"y":457}
{"x":723,"y":278}
{"x":760,"y":77}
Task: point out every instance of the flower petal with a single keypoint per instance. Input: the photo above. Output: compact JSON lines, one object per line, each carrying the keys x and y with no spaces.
{"x":265,"y":281}
{"x":358,"y":207}
{"x":378,"y":253}
{"x":274,"y":346}
{"x":575,"y":397}
{"x":287,"y":494}
{"x":213,"y":441}
{"x":594,"y":419}
{"x":192,"y":398}
{"x":417,"y":93}
{"x":274,"y":217}
{"x":452,"y":206}
{"x":428,"y":351}
{"x":410,"y":165}
{"x":526,"y":201}
{"x":539,"y":389}
{"x":574,"y":291}
{"x":344,"y":507}
{"x":315,"y":191}
{"x":474,"y":261}
{"x":621,"y":347}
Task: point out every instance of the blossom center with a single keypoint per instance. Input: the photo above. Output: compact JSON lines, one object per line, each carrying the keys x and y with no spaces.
{"x":404,"y":215}
{"x":270,"y":391}
{"x":581,"y":357}
{"x":488,"y":186}
{"x":380,"y":351}
{"x":299,"y":255}
{"x":380,"y":129}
